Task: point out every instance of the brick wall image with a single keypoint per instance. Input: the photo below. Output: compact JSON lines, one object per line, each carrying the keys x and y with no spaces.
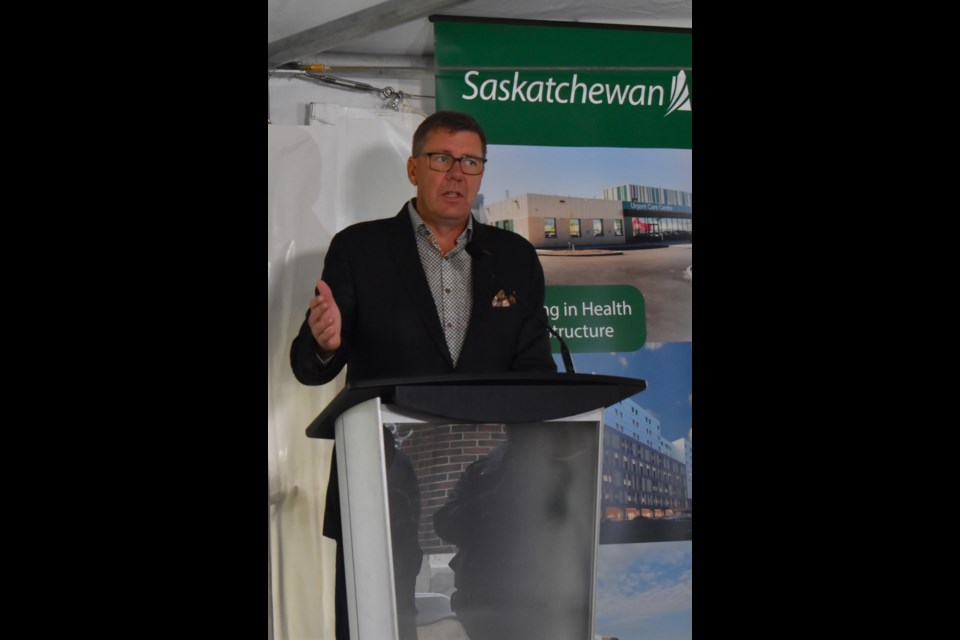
{"x":439,"y":454}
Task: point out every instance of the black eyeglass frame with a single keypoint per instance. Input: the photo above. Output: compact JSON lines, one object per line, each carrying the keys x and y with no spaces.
{"x":430,"y":154}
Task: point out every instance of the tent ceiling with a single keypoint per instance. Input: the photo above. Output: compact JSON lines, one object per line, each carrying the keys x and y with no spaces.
{"x":401,"y":27}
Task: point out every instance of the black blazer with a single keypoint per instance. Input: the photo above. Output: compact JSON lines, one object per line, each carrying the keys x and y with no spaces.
{"x":390,"y":324}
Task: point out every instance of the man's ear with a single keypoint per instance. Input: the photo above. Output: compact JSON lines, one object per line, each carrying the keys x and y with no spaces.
{"x":412,"y":170}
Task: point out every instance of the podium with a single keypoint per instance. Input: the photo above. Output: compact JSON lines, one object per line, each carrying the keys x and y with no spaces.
{"x":502,"y":469}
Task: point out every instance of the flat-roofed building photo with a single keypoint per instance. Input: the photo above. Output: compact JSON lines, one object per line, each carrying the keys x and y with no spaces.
{"x":626,"y":214}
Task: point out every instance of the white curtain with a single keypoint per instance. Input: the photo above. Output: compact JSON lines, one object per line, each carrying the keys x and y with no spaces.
{"x":348,"y":165}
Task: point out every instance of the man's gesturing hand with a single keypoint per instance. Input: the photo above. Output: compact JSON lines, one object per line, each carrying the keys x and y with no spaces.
{"x":325,"y":320}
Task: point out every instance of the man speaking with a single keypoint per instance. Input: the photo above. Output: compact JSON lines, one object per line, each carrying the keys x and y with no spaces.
{"x":403,"y":297}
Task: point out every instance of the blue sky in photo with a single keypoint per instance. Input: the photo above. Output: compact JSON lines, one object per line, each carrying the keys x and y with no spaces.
{"x":581,"y":172}
{"x":666,"y":366}
{"x":645,"y":591}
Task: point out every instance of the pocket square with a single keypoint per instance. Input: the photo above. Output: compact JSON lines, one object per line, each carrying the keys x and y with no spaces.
{"x":503,"y":299}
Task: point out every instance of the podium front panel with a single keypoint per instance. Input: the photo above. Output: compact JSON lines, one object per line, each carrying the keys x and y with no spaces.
{"x":482,"y":531}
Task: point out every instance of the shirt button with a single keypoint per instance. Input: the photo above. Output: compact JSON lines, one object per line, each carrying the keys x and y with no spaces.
{"x":447,"y":290}
{"x":449,"y":324}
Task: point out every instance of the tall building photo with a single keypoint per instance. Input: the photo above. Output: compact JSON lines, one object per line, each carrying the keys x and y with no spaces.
{"x":644,"y":474}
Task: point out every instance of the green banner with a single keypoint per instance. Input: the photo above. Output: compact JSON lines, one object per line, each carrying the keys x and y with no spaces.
{"x":568,"y":85}
{"x":596,"y":318}
{"x":555,"y":99}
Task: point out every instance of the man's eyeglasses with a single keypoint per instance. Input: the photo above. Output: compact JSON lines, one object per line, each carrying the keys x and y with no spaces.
{"x":470,"y":165}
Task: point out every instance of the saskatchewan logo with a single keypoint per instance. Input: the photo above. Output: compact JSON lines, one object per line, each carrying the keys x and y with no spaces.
{"x":573,"y":89}
{"x":679,"y":94}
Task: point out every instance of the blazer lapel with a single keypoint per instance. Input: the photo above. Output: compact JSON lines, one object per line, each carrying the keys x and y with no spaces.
{"x":483,"y":291}
{"x":403,"y":250}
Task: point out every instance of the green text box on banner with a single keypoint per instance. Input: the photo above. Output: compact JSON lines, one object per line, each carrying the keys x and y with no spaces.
{"x":596,"y":318}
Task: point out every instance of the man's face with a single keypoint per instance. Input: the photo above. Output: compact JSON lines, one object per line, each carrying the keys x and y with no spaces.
{"x":444,"y":199}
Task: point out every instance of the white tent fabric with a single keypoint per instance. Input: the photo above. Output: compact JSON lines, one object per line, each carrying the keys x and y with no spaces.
{"x":287,"y":17}
{"x":347,"y":166}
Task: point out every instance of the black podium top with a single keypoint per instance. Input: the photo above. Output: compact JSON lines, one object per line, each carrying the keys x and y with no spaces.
{"x":500,"y":397}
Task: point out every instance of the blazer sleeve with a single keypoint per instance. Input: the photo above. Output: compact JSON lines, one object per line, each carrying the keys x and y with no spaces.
{"x":305,"y":352}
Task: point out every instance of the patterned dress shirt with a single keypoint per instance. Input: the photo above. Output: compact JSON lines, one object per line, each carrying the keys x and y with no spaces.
{"x":449,"y":277}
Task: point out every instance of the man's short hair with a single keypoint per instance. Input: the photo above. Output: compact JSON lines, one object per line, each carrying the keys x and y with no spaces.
{"x":453,"y":121}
